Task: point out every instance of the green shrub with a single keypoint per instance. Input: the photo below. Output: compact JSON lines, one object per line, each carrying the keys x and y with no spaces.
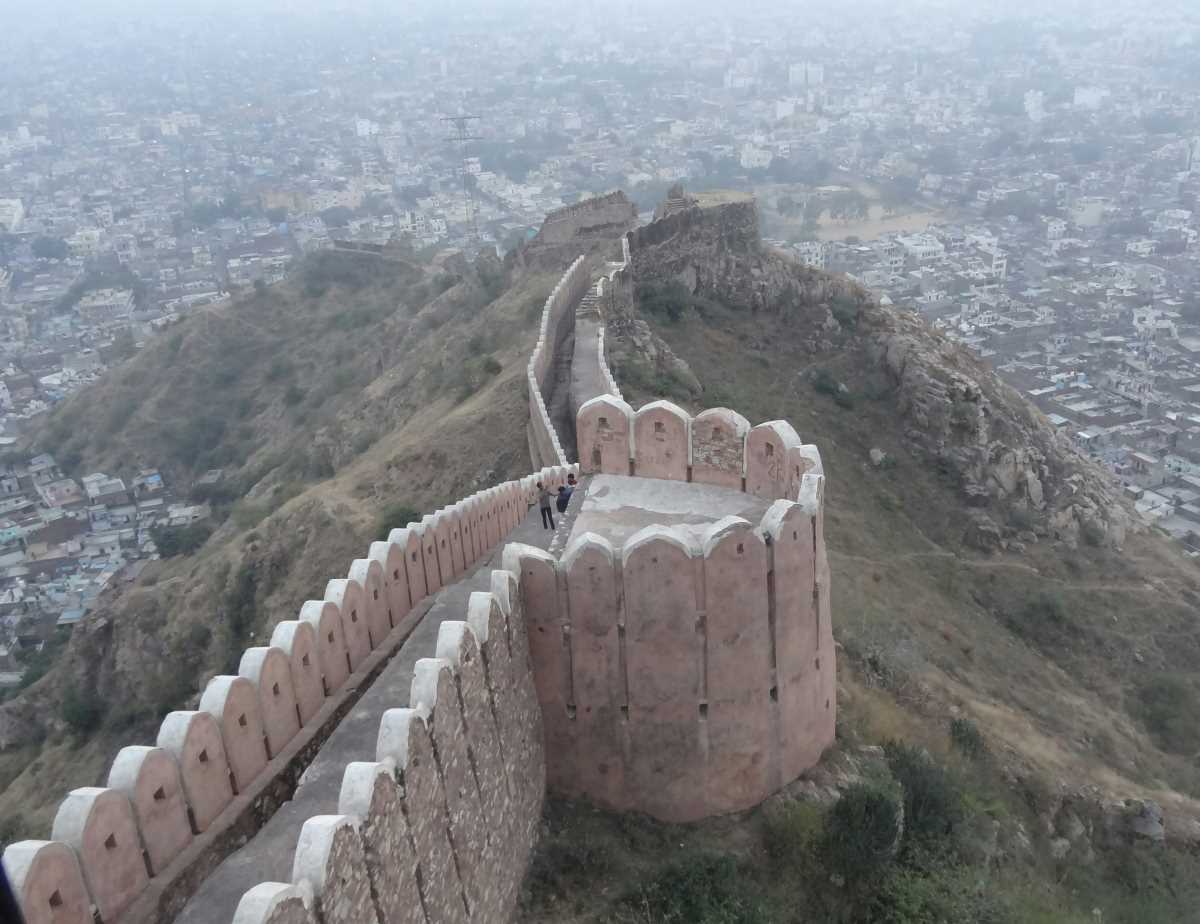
{"x":83,"y":713}
{"x":491,"y":366}
{"x":293,"y":395}
{"x":862,"y":833}
{"x":698,"y":889}
{"x":845,"y":311}
{"x":180,"y":540}
{"x":791,"y":832}
{"x":1167,"y":704}
{"x":966,"y":736}
{"x":395,"y":516}
{"x":933,"y":806}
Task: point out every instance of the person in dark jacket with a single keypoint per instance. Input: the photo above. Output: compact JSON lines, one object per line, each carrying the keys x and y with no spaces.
{"x":564,"y":498}
{"x":544,"y":506}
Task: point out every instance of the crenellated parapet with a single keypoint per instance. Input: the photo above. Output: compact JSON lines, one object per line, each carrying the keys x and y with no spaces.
{"x":687,"y":668}
{"x":717,"y":447}
{"x":440,"y":825}
{"x":130,"y":849}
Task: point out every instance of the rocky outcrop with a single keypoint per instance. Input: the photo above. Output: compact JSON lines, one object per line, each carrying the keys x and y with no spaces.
{"x":960,"y":416}
{"x":1024,"y":478}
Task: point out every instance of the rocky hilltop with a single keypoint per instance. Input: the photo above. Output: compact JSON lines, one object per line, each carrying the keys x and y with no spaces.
{"x":1017,"y":476}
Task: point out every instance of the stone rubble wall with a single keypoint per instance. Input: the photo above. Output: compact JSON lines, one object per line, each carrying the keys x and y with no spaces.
{"x":162,"y":815}
{"x":441,"y":825}
{"x":545,"y":445}
{"x":598,"y":215}
{"x":685,"y":674}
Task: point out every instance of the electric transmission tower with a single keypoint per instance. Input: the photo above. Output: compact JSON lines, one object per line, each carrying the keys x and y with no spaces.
{"x":460,"y":135}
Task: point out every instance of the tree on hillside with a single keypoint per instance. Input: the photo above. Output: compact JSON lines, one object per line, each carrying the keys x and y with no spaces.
{"x":50,"y":248}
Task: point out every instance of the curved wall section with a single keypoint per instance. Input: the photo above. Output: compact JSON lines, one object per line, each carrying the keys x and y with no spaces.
{"x":679,"y":677}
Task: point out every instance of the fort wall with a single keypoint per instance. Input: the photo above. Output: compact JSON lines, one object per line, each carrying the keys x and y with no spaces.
{"x":680,"y":675}
{"x":545,"y":446}
{"x":135,"y":849}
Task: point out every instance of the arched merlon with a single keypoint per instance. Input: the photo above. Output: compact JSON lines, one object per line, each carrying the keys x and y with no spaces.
{"x":276,"y":903}
{"x":99,"y":825}
{"x":194,"y":740}
{"x":46,"y":879}
{"x":150,"y":779}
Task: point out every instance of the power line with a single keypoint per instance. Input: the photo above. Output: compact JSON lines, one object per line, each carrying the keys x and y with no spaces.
{"x":460,"y":136}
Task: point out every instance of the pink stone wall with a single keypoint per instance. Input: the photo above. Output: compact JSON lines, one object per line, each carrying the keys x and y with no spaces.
{"x":99,"y":825}
{"x":604,"y":435}
{"x":368,"y":575}
{"x":661,"y":441}
{"x":698,"y":678}
{"x":326,"y":622}
{"x":718,"y":447}
{"x":347,"y":597}
{"x":268,"y":670}
{"x":149,"y":777}
{"x":738,"y":665}
{"x":598,"y":686}
{"x":771,"y":460}
{"x":233,"y":702}
{"x":46,"y":879}
{"x":395,"y":578}
{"x":194,"y":740}
{"x":665,"y":774}
{"x":298,"y":641}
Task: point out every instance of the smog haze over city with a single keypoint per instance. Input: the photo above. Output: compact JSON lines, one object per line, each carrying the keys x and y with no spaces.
{"x":271,"y":280}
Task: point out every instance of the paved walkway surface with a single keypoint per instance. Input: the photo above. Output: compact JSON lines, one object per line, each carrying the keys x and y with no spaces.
{"x":587,"y":380}
{"x":268,"y":856}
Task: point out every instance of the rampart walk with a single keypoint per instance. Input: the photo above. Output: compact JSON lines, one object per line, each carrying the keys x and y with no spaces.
{"x":171,"y":812}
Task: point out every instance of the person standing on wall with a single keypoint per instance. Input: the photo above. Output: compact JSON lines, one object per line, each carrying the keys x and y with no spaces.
{"x":545,"y":506}
{"x":564,"y":498}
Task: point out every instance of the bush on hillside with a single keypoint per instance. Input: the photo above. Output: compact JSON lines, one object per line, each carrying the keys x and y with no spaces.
{"x":395,"y":516}
{"x":791,"y":831}
{"x":180,"y":540}
{"x":1167,"y":704}
{"x":966,"y":736}
{"x":698,"y":889}
{"x":862,"y":833}
{"x":933,"y":802}
{"x":81,"y":712}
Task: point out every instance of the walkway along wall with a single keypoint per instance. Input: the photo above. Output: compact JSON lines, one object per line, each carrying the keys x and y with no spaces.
{"x":545,"y":446}
{"x":682,"y":677}
{"x":135,"y":849}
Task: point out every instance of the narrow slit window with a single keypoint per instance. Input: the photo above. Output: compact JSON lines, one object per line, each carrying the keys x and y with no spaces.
{"x":160,"y":794}
{"x":770,"y":449}
{"x":242,"y":720}
{"x":110,"y":842}
{"x":275,"y":689}
{"x":305,"y":661}
{"x":203,"y":758}
{"x":56,"y":899}
{"x":660,"y":427}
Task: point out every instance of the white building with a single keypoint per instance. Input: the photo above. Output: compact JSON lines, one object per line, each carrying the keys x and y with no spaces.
{"x":12,"y":213}
{"x":752,"y":157}
{"x":922,"y":247}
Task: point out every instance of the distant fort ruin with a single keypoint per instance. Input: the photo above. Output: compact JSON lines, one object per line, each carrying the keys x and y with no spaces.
{"x":385,"y":757}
